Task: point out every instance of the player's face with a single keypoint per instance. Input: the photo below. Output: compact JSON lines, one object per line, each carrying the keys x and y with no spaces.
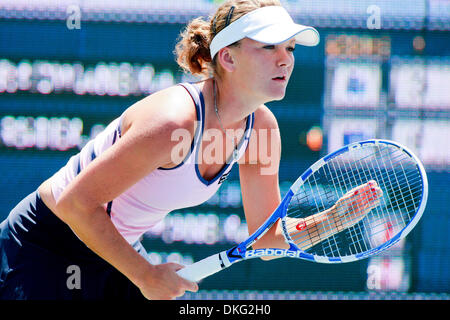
{"x":264,"y":69}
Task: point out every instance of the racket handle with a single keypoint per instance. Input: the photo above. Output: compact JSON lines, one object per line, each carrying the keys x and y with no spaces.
{"x":204,"y":268}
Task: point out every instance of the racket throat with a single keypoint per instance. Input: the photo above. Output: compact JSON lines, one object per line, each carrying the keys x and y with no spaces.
{"x":224,"y":260}
{"x":233,"y":255}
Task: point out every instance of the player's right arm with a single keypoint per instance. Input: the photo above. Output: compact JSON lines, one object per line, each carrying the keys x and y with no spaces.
{"x":145,"y":145}
{"x":346,"y":212}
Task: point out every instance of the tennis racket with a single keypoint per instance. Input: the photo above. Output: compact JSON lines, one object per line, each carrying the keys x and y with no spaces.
{"x":351,"y":204}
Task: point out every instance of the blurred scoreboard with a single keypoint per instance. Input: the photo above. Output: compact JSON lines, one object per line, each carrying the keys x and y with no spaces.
{"x":376,"y":87}
{"x":371,"y":92}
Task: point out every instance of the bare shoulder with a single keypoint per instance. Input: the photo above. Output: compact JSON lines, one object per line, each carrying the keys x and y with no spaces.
{"x":169,"y":108}
{"x":265,"y":119}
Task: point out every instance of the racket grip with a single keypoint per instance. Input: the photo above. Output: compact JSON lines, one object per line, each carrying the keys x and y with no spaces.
{"x":204,"y":268}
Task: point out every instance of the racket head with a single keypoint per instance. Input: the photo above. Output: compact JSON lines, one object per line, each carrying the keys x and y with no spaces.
{"x":392,"y":193}
{"x":397,"y":172}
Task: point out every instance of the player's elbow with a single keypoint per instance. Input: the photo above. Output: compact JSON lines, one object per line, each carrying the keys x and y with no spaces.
{"x":69,"y":208}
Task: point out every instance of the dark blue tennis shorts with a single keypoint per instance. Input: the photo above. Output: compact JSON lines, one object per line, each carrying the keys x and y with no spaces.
{"x":42,"y":259}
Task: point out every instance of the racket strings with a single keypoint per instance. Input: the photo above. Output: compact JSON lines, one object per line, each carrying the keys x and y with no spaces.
{"x":300,"y":199}
{"x":388,"y":182}
{"x":327,"y":192}
{"x":357,"y":225}
{"x":385,"y":182}
{"x":345,"y":181}
{"x":334,"y":179}
{"x":406,"y":204}
{"x":400,"y":182}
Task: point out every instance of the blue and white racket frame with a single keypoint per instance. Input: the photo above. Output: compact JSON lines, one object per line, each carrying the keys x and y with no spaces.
{"x":224,"y":259}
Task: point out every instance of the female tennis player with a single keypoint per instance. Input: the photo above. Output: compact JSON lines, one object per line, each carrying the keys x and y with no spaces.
{"x":87,"y":220}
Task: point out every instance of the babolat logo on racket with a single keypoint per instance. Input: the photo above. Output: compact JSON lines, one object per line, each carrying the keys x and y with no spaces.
{"x":272,"y":252}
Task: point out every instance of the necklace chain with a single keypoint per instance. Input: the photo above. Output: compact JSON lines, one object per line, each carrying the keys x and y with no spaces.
{"x":233,"y":138}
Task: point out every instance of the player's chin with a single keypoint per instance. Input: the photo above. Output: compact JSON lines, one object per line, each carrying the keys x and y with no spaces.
{"x":278,"y":90}
{"x":279,"y":96}
{"x":277,"y":93}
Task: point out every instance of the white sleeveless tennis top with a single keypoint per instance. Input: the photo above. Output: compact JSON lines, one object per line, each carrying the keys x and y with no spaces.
{"x":163,"y":190}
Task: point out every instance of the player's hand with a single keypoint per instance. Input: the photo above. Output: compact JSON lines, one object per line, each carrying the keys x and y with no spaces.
{"x":163,"y":283}
{"x":355,"y":205}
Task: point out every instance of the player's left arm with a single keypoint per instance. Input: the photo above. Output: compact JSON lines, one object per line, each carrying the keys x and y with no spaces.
{"x":259,"y":179}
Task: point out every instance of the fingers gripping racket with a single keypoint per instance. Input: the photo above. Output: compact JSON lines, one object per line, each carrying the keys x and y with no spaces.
{"x":349,"y":205}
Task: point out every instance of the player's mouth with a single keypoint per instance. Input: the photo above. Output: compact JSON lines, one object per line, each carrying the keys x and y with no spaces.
{"x":280,"y":78}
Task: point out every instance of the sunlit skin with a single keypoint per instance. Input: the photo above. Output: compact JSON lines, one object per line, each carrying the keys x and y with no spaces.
{"x":254,"y":73}
{"x":259,"y":66}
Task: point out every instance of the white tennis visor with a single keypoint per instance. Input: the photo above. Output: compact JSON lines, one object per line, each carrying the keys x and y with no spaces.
{"x":270,"y":25}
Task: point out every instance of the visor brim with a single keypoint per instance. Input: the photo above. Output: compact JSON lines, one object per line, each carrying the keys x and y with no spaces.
{"x":275,"y":34}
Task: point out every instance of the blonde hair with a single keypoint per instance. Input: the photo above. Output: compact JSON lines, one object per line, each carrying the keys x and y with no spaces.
{"x":192,"y":50}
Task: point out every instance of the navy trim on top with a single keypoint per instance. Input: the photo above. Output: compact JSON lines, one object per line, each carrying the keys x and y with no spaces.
{"x":91,"y":150}
{"x":199,"y":102}
{"x":116,"y":133}
{"x":119,"y":127}
{"x":246,"y":137}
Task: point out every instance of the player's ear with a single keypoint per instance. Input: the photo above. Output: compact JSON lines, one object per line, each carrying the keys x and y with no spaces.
{"x":226,"y":59}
